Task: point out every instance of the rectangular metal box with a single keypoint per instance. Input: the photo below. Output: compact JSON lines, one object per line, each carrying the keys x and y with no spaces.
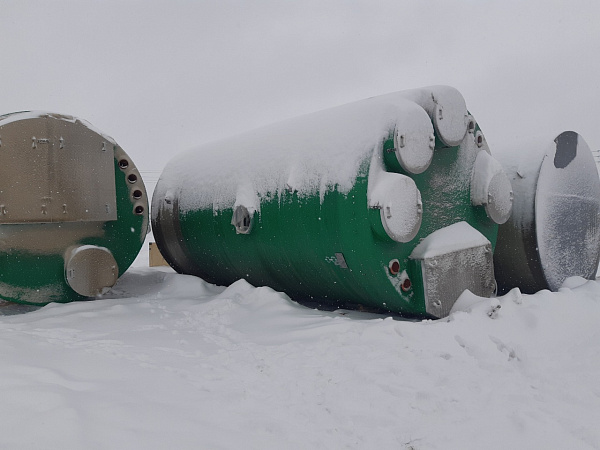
{"x":54,"y":172}
{"x":446,"y":276}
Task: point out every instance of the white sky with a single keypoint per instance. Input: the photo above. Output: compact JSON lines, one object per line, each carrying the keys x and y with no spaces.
{"x":163,"y":76}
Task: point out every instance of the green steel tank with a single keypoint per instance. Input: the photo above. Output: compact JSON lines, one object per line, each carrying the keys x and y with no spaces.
{"x":73,"y":209}
{"x":391,"y":203}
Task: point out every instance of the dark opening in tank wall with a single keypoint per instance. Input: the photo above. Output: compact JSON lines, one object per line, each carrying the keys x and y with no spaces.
{"x":566,"y":149}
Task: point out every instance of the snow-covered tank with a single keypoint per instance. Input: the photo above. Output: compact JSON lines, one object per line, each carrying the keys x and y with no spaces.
{"x":391,"y":202}
{"x":73,"y":209}
{"x":554,"y":231}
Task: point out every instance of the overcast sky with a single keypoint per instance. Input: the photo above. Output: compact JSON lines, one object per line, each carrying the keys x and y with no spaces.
{"x":163,"y":76}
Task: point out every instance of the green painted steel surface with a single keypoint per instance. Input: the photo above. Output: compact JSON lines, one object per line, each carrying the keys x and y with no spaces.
{"x":332,"y":249}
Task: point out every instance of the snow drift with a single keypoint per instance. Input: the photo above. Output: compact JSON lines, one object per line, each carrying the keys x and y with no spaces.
{"x":169,"y":361}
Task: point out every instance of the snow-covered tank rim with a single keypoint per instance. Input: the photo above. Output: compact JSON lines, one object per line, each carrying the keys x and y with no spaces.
{"x":567,"y":210}
{"x":24,"y":115}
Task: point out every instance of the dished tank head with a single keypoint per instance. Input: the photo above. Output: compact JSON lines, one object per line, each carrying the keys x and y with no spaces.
{"x":554,"y":232}
{"x":351,"y":205}
{"x":73,"y":209}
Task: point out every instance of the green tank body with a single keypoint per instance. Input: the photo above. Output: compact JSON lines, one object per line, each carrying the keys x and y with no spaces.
{"x":73,"y":209}
{"x":391,"y":203}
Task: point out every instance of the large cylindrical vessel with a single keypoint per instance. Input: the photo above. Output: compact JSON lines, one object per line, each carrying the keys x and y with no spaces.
{"x":392,"y":202}
{"x":73,"y":209}
{"x":554,"y":231}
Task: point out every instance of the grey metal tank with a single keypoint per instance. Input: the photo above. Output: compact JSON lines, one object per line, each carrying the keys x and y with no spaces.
{"x":554,"y":230}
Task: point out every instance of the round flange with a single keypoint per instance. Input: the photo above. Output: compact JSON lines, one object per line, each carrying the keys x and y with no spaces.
{"x":500,"y":198}
{"x":491,"y":187}
{"x":90,"y":270}
{"x":414,"y":142}
{"x":242,"y":220}
{"x":449,"y":115}
{"x":401,"y":209}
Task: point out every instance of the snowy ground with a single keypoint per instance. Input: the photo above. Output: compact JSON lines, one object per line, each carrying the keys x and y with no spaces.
{"x":168,"y":361}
